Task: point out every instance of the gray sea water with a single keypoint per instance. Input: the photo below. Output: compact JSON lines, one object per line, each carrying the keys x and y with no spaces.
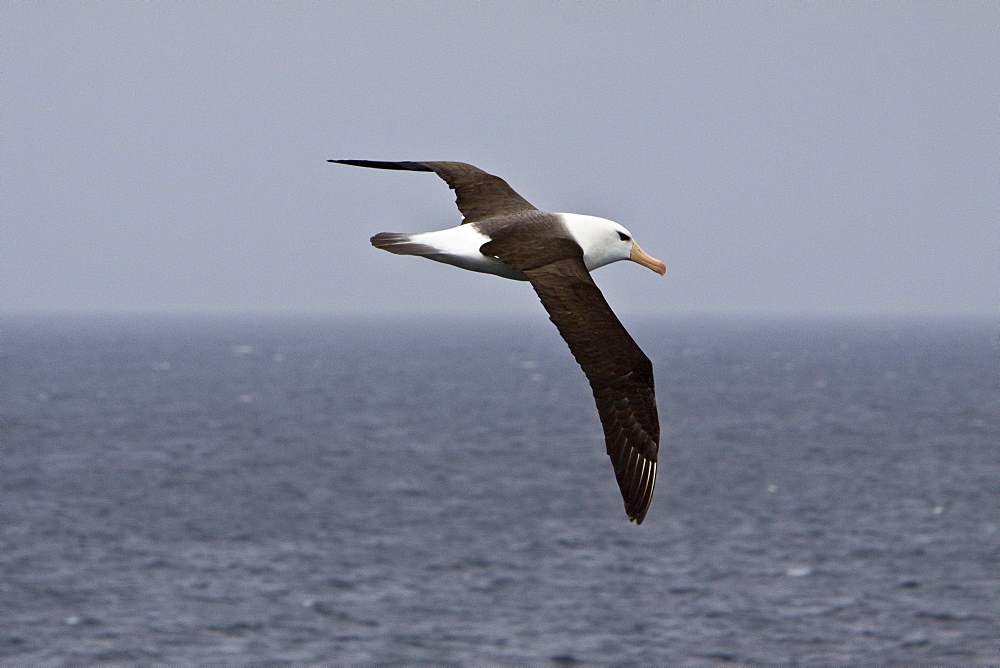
{"x":220,"y":490}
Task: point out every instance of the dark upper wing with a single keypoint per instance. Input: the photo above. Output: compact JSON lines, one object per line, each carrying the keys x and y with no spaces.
{"x":479,"y":195}
{"x":620,"y":375}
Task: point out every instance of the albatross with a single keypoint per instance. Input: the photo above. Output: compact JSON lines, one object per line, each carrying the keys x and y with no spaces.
{"x":502,"y":234}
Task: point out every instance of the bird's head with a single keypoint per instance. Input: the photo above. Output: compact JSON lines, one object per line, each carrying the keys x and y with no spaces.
{"x":605,"y":241}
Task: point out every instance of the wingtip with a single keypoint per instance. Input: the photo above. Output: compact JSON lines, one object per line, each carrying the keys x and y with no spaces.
{"x":382,"y":164}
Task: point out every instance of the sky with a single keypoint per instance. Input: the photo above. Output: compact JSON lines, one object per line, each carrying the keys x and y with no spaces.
{"x":781,"y":158}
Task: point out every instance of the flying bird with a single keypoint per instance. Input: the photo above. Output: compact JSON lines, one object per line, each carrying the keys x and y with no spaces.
{"x":503,"y":234}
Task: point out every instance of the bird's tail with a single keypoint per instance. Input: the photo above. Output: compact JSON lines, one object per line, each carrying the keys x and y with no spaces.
{"x":401,"y":244}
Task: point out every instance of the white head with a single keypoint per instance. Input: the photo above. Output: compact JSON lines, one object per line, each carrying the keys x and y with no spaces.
{"x":604,"y":241}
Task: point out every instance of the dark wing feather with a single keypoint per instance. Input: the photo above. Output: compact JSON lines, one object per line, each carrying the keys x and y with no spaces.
{"x":620,"y":374}
{"x":479,"y":195}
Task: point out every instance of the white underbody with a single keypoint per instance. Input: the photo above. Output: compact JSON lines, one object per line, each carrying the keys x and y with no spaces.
{"x":460,"y":246}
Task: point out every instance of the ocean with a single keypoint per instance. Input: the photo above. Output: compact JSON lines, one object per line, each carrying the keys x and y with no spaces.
{"x":223,"y":490}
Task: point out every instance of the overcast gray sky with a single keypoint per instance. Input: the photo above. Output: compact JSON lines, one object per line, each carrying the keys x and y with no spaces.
{"x":779,"y":157}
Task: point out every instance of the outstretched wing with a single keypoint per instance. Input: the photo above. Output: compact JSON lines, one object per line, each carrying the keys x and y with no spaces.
{"x":479,"y":195}
{"x":620,"y":374}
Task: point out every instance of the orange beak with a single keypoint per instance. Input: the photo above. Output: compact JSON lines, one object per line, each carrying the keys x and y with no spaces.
{"x":640,"y":256}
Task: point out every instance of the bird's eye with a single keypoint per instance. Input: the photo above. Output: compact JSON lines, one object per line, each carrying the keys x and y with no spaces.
{"x":623,"y":236}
